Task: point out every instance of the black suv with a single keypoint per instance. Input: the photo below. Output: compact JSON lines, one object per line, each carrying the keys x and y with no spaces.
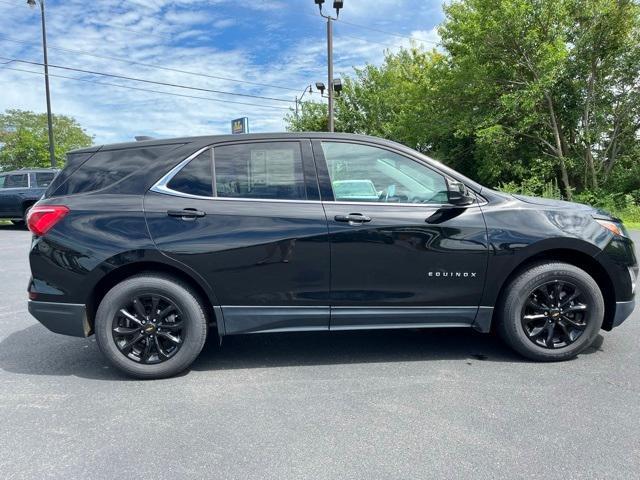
{"x":20,"y":189}
{"x":157,"y":244}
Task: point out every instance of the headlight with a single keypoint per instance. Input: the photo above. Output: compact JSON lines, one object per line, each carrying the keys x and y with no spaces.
{"x":614,"y":227}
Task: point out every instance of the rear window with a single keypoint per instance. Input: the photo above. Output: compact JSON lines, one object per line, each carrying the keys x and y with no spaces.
{"x":108,"y":168}
{"x":43,"y":179}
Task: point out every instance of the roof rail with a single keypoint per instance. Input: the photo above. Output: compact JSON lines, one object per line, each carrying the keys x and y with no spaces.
{"x":142,"y":138}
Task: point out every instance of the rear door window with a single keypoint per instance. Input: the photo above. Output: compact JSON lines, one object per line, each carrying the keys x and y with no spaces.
{"x":261,"y":170}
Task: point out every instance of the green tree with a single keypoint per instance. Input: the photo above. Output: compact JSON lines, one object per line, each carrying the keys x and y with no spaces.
{"x":549,"y":88}
{"x":24,"y":139}
{"x":559,"y":74}
{"x":311,"y":117}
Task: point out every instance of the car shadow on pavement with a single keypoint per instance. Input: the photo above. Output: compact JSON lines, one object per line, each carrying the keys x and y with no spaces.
{"x":331,"y":348}
{"x":36,"y":351}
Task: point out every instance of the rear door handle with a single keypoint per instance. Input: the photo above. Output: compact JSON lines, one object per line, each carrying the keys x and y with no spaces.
{"x":352,"y":218}
{"x":186,"y":213}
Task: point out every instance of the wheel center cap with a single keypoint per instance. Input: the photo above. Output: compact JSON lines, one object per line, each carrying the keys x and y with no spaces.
{"x":149,"y":329}
{"x":554,"y":312}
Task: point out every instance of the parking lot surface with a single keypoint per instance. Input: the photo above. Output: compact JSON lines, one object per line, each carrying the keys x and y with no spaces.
{"x":359,"y":405}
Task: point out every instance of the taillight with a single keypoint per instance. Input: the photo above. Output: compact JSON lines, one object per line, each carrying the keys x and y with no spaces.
{"x":42,"y":218}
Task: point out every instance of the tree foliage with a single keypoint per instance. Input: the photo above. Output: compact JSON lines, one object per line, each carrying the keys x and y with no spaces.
{"x":24,"y":140}
{"x":522,"y":88}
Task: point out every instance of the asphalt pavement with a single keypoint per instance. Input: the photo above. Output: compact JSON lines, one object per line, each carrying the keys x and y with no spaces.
{"x":351,"y":405}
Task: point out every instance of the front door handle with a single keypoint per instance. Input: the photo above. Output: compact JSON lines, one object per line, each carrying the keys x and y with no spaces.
{"x":190,"y":213}
{"x":352,"y":218}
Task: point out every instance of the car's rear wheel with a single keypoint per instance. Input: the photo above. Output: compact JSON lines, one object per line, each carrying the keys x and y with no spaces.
{"x":551,"y":312}
{"x":151,"y":326}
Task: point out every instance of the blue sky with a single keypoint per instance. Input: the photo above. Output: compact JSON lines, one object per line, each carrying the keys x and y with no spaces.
{"x":274,"y":42}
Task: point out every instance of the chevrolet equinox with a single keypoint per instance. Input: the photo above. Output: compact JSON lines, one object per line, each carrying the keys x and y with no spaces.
{"x":156,"y":244}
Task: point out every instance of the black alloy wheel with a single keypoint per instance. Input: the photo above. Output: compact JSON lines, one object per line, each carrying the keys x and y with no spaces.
{"x":151,"y":325}
{"x":550,"y":311}
{"x":148,"y":329}
{"x":555,"y":314}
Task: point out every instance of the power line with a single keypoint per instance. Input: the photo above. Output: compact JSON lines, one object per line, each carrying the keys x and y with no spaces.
{"x":166,"y":84}
{"x":368,"y":41}
{"x":143,"y":89}
{"x":357,"y":25}
{"x":150,"y":65}
{"x":373,"y":29}
{"x":386,"y":32}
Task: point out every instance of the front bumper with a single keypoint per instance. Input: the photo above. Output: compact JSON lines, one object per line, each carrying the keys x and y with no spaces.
{"x":64,"y":318}
{"x":623,"y":310}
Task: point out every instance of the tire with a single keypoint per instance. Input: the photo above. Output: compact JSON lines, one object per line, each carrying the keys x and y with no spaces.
{"x":25,"y":214}
{"x":144,"y":359}
{"x":23,"y":222}
{"x":574,"y":323}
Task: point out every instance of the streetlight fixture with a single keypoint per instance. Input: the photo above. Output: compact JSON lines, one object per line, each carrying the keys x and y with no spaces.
{"x":337,"y":5}
{"x":308,"y":89}
{"x":337,"y":85}
{"x":52,"y":155}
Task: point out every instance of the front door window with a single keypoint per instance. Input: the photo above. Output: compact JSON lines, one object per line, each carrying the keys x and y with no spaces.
{"x":362,"y":173}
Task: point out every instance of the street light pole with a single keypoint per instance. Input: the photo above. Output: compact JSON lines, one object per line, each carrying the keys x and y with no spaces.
{"x":330,"y":70}
{"x":52,"y":155}
{"x":307,"y":89}
{"x":338,"y":4}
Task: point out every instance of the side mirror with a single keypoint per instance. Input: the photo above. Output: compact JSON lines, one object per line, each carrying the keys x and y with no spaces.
{"x":458,"y":194}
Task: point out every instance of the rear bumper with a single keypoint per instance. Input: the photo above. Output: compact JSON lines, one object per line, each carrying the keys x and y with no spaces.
{"x":63,"y":318}
{"x":623,"y":310}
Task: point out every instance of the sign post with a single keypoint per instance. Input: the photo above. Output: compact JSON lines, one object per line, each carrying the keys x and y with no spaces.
{"x":240,"y":125}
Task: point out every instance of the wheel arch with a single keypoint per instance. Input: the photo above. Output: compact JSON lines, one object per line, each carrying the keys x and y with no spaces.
{"x":128,"y":270}
{"x":27,"y":204}
{"x":576,"y":258}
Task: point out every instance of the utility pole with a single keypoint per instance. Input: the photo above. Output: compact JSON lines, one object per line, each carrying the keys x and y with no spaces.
{"x":52,"y":155}
{"x":338,"y":4}
{"x":330,"y":69}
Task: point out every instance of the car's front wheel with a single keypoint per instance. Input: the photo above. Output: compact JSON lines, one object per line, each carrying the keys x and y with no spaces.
{"x":551,"y":312}
{"x":151,"y":326}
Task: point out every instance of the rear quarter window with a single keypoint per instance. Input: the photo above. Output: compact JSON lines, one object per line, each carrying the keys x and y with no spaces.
{"x":108,"y":169}
{"x":44,"y":179}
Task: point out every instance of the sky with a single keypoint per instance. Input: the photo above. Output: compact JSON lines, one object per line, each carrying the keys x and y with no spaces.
{"x":255,"y":48}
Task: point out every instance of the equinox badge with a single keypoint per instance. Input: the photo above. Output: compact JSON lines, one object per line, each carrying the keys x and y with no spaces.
{"x":452,"y":274}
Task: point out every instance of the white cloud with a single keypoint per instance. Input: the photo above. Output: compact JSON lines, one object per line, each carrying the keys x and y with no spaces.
{"x":270,"y":42}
